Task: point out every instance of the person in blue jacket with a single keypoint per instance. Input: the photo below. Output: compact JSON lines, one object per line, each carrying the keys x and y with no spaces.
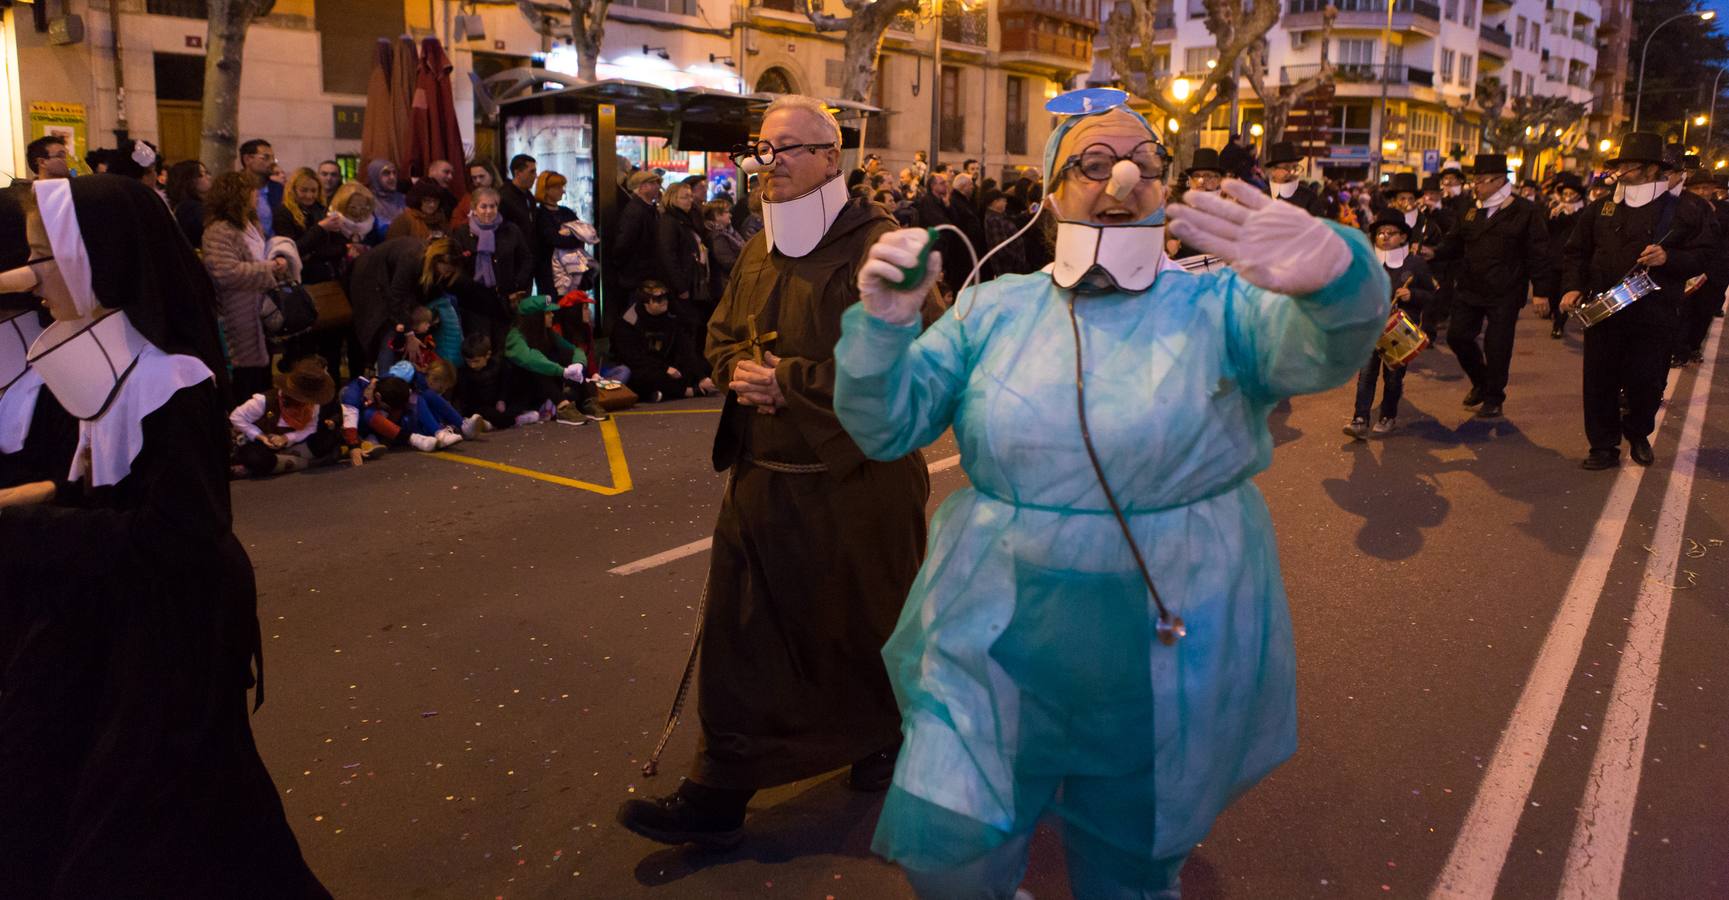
{"x":1099,"y":629}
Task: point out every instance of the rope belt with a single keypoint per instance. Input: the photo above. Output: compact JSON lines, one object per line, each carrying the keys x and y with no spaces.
{"x":789,"y":468}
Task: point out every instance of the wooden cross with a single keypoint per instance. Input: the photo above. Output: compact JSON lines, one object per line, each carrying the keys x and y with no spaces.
{"x":757,"y":341}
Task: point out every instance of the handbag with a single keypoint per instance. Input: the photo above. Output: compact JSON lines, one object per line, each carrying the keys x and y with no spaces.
{"x":287,"y":311}
{"x":614,"y":396}
{"x":334,"y":310}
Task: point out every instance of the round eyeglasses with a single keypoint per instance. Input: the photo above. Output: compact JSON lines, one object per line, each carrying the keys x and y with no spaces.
{"x":1096,"y":161}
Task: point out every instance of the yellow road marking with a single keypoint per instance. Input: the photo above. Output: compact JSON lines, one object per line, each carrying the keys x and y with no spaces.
{"x":614,"y":457}
{"x":668,"y":412}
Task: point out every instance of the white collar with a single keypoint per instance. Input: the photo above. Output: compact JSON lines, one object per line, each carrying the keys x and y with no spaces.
{"x":1395,"y":257}
{"x":108,"y":445}
{"x":1287,"y":189}
{"x":1411,"y":218}
{"x":796,"y":226}
{"x":1637,"y":195}
{"x":1498,"y":199}
{"x":16,"y":335}
{"x":18,"y":410}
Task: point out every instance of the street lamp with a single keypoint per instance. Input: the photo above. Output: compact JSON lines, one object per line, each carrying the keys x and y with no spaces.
{"x":1604,"y":145}
{"x":1711,"y":125}
{"x":1256,"y":130}
{"x":1639,"y":92}
{"x":1181,"y":89}
{"x":1691,"y":122}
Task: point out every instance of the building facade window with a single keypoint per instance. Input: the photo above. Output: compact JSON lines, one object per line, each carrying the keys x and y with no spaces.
{"x":1195,"y":60}
{"x":954,"y":116}
{"x":1470,"y":13}
{"x":681,"y":7}
{"x":1446,"y":65}
{"x":1015,"y":126}
{"x":1356,"y":52}
{"x":1465,"y":60}
{"x":1425,"y":130}
{"x":1519,"y":32}
{"x":877,"y":131}
{"x":1452,"y":10}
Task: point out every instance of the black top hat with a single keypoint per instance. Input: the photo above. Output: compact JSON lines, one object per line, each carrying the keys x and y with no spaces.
{"x":1402,"y":183}
{"x":1432,"y":183}
{"x":1489,"y":164}
{"x":1206,"y":160}
{"x":1283,"y":152}
{"x":1391,"y":217}
{"x":1569,"y":180}
{"x":1691,"y":162}
{"x":1640,"y":147}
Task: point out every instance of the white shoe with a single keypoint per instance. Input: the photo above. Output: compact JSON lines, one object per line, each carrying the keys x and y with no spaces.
{"x":447,"y":437}
{"x":473,"y":425}
{"x":425,"y":443}
{"x":1358,"y":429}
{"x":1384,"y":426}
{"x":527,"y":418}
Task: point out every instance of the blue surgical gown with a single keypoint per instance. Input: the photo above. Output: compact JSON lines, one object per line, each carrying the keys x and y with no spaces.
{"x":1025,"y":662}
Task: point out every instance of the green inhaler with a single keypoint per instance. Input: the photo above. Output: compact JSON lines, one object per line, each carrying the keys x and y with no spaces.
{"x":913,"y":277}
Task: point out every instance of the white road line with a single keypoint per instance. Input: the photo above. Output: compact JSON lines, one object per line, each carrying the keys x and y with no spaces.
{"x":1599,"y":851}
{"x":1479,"y":853}
{"x":702,"y":546}
{"x":663,"y":557}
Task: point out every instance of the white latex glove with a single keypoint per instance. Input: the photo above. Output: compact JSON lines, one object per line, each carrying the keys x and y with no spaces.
{"x":1272,"y":244}
{"x":573,"y":372}
{"x":882,"y":268}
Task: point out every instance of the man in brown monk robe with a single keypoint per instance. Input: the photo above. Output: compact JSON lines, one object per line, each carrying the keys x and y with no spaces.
{"x":816,"y":546}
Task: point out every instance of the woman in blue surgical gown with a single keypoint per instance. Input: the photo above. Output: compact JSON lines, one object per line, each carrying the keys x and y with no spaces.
{"x":1031,"y":662}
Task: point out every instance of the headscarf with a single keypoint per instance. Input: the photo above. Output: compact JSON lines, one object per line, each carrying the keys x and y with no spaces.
{"x":387,"y":205}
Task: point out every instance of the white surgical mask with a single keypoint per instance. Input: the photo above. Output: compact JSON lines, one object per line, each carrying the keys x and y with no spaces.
{"x":796,"y":226}
{"x":1129,"y":255}
{"x":1637,"y":195}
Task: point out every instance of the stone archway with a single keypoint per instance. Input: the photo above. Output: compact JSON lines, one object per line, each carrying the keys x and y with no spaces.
{"x":776,"y":80}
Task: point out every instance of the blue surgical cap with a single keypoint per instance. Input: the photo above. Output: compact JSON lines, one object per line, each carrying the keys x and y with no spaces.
{"x":1075,"y":106}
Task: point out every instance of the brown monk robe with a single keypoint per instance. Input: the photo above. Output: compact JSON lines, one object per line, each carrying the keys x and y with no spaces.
{"x":814,"y":552}
{"x":809,"y":570}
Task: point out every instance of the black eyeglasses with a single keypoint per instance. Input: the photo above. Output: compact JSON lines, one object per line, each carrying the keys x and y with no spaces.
{"x":1096,"y":161}
{"x":765,"y":152}
{"x":38,"y":260}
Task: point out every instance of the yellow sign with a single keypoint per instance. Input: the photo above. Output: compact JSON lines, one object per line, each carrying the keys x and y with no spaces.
{"x":64,"y":120}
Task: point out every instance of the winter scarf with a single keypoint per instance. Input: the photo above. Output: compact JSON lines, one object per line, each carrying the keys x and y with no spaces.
{"x":485,"y":245}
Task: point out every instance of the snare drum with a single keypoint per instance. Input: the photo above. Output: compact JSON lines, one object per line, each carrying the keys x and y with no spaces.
{"x":1401,"y":341}
{"x":1616,"y":298}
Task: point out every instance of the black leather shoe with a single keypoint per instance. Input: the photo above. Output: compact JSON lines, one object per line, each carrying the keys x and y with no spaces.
{"x":874,"y":772}
{"x":1490,"y":410}
{"x":1558,"y":329}
{"x":693,"y":814}
{"x":1640,"y":449}
{"x":1601,"y":459}
{"x":1474,"y":397}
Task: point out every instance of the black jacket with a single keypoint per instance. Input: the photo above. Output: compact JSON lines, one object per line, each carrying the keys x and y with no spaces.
{"x":648,"y":343}
{"x":517,"y":207}
{"x":322,"y":253}
{"x":957,"y":264}
{"x":479,"y":391}
{"x":1307,"y":199}
{"x":384,"y":288}
{"x":1414,"y":274}
{"x":631,"y":252}
{"x":1610,"y":236}
{"x":681,"y":256}
{"x":1494,"y":257}
{"x":512,"y":264}
{"x":547,"y":238}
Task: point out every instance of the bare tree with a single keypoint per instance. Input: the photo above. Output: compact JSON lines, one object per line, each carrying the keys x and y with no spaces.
{"x":587,"y":28}
{"x":1278,"y":101}
{"x":225,"y":48}
{"x":1235,"y":25}
{"x":863,"y":36}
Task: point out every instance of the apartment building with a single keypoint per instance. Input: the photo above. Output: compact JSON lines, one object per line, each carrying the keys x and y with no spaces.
{"x":1426,"y":57}
{"x":307,"y":63}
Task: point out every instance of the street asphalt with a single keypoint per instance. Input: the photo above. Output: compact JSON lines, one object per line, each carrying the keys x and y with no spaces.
{"x":462,"y":691}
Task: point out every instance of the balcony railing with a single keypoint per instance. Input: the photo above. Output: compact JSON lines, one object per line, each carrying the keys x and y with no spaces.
{"x":185,"y":9}
{"x":968,"y":27}
{"x":1034,"y":40}
{"x":952,"y":135}
{"x":1015,"y":138}
{"x":1419,"y":7}
{"x":1497,"y":36}
{"x":1362,"y":73}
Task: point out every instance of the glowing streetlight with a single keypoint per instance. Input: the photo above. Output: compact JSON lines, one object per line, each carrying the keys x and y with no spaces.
{"x":1172,"y":124}
{"x":1180,"y":89}
{"x":1256,"y":130}
{"x":1517,"y":163}
{"x":1389,"y":146}
{"x":1639,"y":91}
{"x":1699,"y":119}
{"x":1558,"y":132}
{"x":1529,"y":130}
{"x":1720,"y":163}
{"x":1604,"y":145}
{"x":1212,"y":64}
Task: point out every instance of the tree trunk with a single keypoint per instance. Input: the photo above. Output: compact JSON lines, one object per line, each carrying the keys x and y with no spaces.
{"x":587,"y":31}
{"x":225,"y":47}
